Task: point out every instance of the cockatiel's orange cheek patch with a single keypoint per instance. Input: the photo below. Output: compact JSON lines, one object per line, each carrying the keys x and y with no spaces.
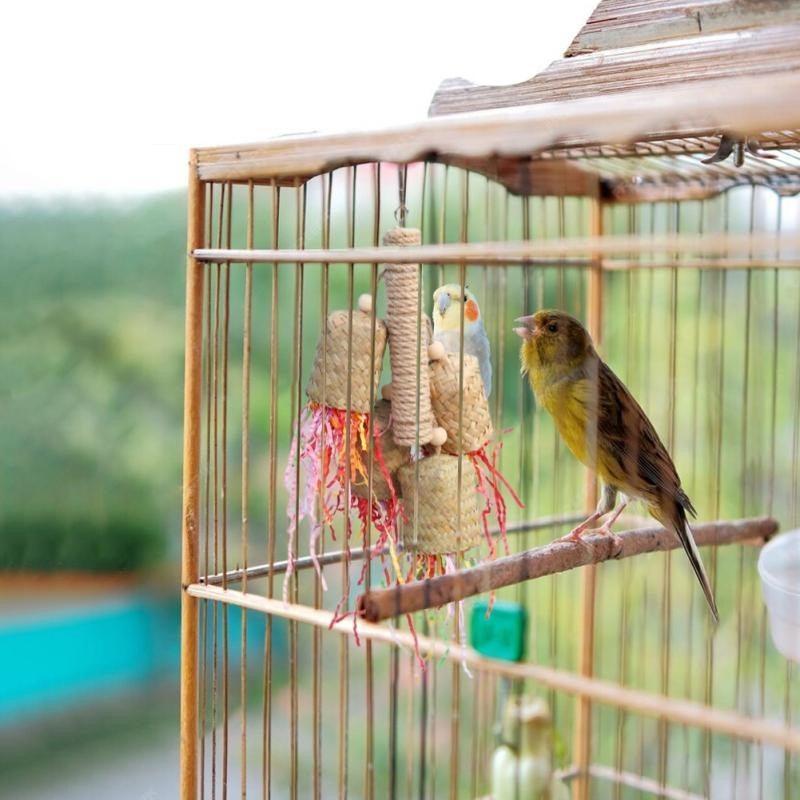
{"x":471,"y":310}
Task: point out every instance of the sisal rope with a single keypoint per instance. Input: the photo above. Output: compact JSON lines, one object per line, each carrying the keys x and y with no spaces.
{"x":408,"y":346}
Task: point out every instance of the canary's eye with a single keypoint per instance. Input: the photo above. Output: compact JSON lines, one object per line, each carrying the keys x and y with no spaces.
{"x":552,"y":327}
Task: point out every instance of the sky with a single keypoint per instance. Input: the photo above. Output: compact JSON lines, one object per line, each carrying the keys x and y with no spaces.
{"x":107,"y":98}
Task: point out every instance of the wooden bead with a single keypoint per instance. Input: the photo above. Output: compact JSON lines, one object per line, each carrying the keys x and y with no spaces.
{"x":365,"y":303}
{"x":435,"y":351}
{"x":439,"y":437}
{"x":386,"y":391}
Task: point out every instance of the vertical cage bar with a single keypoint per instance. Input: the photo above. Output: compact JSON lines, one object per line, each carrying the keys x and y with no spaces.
{"x":297,"y":406}
{"x":226,"y":326}
{"x":369,"y":688}
{"x":248,"y":314}
{"x":583,"y":708}
{"x":191,"y":484}
{"x":344,"y":645}
{"x":326,"y":191}
{"x":206,"y":503}
{"x":266,"y":717}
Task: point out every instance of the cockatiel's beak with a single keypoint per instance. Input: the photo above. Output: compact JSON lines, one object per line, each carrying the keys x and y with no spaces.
{"x":443,"y":303}
{"x":527,"y":328}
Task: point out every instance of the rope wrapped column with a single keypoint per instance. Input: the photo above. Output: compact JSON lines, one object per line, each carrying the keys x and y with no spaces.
{"x":413,"y":422}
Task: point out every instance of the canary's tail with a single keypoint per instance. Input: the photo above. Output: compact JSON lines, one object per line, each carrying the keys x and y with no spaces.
{"x":681,"y":527}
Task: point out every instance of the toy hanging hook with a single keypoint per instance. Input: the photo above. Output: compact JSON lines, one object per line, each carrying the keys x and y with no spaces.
{"x":402,"y":209}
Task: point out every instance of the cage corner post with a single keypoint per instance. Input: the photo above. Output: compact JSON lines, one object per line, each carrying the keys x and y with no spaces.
{"x":191,"y":486}
{"x":583,"y":706}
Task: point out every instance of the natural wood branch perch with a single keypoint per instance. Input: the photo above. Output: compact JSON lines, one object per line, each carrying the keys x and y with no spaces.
{"x":555,"y":557}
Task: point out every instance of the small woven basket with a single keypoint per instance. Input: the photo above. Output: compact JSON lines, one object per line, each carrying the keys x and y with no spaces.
{"x":432,"y":506}
{"x":476,"y":427}
{"x":329,"y":374}
{"x":394,"y":456}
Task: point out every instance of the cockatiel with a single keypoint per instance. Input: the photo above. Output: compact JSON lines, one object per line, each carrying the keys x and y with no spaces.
{"x":605,"y":428}
{"x":449,"y":305}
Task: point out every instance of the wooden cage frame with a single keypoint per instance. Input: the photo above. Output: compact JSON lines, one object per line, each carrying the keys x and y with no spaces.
{"x":496,"y":143}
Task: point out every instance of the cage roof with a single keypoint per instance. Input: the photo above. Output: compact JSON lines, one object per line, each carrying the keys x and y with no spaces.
{"x":640,"y":100}
{"x":648,"y":44}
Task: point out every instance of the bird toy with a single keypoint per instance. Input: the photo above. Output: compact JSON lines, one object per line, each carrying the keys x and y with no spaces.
{"x":380,"y":502}
{"x":331,"y":447}
{"x":459,"y":395}
{"x":429,"y":485}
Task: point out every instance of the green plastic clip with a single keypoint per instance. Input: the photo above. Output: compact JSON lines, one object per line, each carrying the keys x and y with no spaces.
{"x":503,"y":634}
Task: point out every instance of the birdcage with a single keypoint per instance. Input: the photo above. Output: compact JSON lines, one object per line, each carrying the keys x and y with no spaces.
{"x":629,"y":185}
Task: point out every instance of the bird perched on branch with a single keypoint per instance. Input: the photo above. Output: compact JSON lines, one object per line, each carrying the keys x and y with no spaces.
{"x":605,"y":428}
{"x":450,"y":304}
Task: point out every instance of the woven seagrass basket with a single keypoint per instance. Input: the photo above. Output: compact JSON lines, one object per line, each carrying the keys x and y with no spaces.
{"x":394,"y":456}
{"x":432,"y":506}
{"x":328,"y":381}
{"x":476,"y":421}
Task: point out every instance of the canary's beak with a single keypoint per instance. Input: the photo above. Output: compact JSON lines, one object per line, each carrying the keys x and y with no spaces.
{"x":527,"y":329}
{"x":443,"y":303}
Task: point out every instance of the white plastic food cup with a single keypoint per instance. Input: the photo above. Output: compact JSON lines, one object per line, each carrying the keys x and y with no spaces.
{"x":779,"y":568}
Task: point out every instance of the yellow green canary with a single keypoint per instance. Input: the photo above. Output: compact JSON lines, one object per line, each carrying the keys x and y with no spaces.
{"x":605,"y":428}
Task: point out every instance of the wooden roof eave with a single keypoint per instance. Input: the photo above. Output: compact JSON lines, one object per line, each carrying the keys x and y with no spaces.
{"x":487,"y":137}
{"x":621,"y":23}
{"x":768,"y":52}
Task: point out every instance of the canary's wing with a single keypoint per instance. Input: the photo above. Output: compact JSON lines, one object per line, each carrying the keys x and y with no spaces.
{"x":632,"y":457}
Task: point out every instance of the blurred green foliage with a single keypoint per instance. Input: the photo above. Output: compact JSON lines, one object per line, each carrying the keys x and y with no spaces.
{"x":91,"y":358}
{"x":107,"y":544}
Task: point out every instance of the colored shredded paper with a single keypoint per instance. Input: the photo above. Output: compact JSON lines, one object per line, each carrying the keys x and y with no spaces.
{"x":490,"y":485}
{"x":329,"y":455}
{"x":326,"y":460}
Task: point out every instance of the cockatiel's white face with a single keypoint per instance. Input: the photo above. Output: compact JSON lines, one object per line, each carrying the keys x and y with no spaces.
{"x":450,"y":303}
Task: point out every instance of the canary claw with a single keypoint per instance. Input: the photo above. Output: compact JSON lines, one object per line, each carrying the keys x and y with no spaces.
{"x":605,"y":530}
{"x":575,"y":536}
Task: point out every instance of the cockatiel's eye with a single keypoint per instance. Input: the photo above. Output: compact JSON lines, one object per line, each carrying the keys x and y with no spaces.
{"x":552,"y":327}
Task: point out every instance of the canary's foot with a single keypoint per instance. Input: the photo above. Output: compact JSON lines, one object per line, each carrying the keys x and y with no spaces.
{"x":575,"y":536}
{"x":605,"y":530}
{"x":576,"y":533}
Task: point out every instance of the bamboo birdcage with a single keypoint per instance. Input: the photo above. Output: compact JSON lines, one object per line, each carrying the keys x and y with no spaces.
{"x":591,"y":194}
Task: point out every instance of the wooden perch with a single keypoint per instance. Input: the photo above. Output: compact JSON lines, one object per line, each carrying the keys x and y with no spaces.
{"x":555,"y":557}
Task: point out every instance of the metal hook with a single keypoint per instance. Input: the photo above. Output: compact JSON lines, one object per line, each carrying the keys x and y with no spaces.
{"x":737,"y":145}
{"x":402,"y":209}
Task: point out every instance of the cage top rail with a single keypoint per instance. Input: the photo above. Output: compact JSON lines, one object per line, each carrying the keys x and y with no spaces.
{"x":671,"y":112}
{"x":545,"y":251}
